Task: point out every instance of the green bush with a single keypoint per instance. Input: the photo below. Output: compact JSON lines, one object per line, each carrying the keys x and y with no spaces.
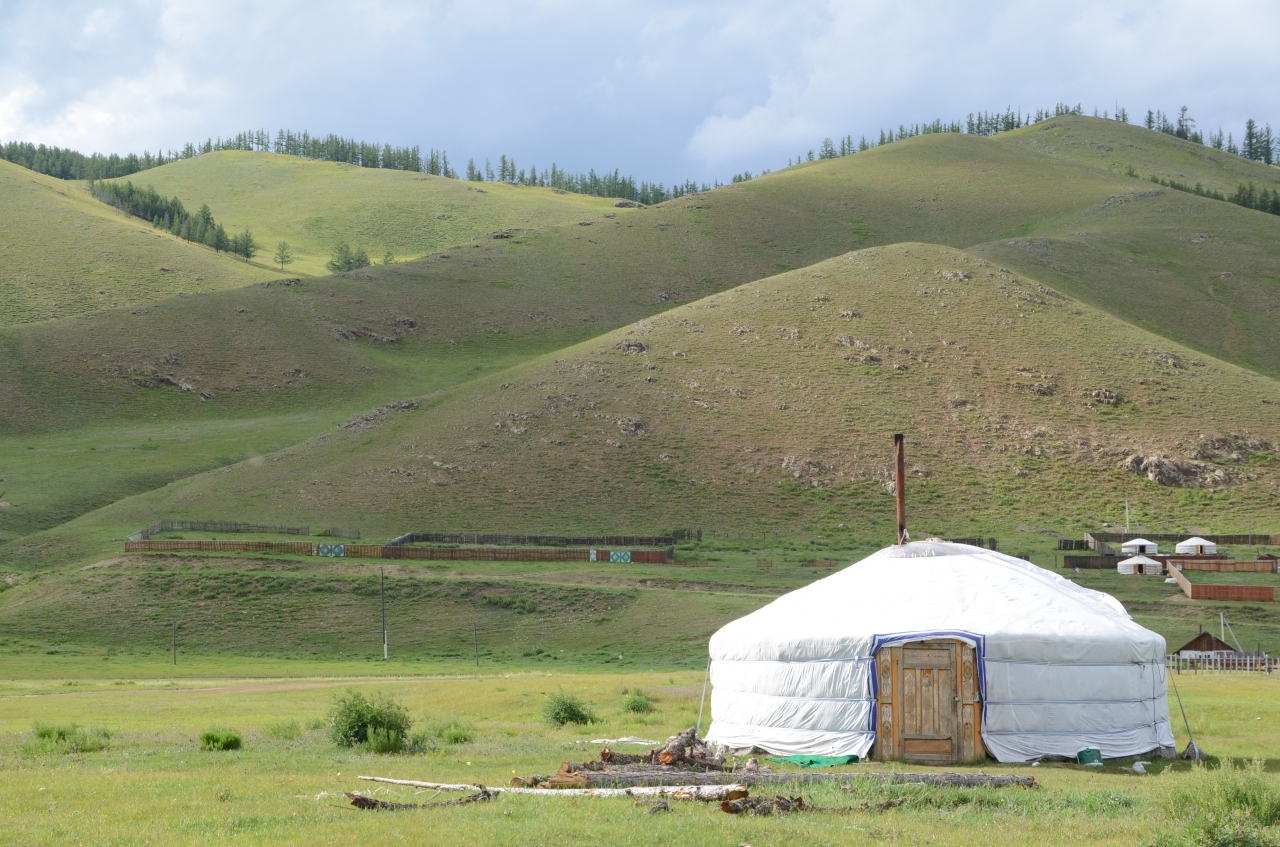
{"x":638,"y":703}
{"x":220,"y":739}
{"x":283,"y":731}
{"x":66,"y":738}
{"x":384,"y":740}
{"x":354,"y":716}
{"x":564,"y":708}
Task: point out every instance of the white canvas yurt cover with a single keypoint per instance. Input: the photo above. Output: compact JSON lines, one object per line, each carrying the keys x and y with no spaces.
{"x":1060,"y":667}
{"x":1138,"y":564}
{"x":1196,"y":546}
{"x":1139,"y":546}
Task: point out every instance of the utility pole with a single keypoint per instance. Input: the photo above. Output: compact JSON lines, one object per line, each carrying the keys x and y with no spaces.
{"x":475,"y":635}
{"x":900,"y":473}
{"x":175,"y":642}
{"x":382,"y":576}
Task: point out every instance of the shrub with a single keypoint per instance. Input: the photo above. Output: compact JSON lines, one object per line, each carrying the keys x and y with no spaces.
{"x":283,"y":731}
{"x":384,"y":740}
{"x":564,"y":708}
{"x":353,"y":716}
{"x":220,"y":739}
{"x":637,"y":703}
{"x":66,"y":738}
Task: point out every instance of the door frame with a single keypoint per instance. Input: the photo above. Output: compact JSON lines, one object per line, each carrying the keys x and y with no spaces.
{"x":966,"y":674}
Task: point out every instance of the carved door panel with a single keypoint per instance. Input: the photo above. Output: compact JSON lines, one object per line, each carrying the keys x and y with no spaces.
{"x":928,"y":706}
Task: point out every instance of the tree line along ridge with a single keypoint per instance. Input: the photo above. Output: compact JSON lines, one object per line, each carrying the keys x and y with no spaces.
{"x":1259,"y":143}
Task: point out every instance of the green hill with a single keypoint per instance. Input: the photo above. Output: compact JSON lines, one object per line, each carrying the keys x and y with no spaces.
{"x":64,"y":253}
{"x":769,"y":408}
{"x":1193,"y":270}
{"x":1117,"y":147}
{"x":316,"y":205}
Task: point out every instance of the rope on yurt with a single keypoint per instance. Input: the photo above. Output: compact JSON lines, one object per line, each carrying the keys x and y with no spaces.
{"x":703,"y":699}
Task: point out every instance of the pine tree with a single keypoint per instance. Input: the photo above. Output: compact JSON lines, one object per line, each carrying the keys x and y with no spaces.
{"x":248,"y":245}
{"x":283,"y":256}
{"x":1249,"y":147}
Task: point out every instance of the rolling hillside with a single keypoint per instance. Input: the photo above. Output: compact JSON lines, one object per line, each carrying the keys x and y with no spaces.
{"x":769,"y":407}
{"x":80,"y":391}
{"x":1116,"y":147}
{"x":569,"y":282}
{"x":63,"y":253}
{"x":315,"y":205}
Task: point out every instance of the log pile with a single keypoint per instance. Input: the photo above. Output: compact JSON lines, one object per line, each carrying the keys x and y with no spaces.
{"x":685,"y":760}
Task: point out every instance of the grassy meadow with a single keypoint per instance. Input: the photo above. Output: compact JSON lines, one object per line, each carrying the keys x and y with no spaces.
{"x":154,"y":783}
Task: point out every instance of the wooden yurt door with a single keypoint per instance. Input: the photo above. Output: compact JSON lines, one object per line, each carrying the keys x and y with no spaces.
{"x":929,"y":709}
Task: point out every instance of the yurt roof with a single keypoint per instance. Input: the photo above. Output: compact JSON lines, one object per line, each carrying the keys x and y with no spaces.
{"x":1197,"y":541}
{"x":1008,"y":607}
{"x":1138,"y":542}
{"x":1138,"y":560}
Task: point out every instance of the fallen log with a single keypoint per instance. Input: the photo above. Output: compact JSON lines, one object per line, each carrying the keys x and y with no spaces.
{"x":362,"y":801}
{"x":709,"y":793}
{"x":666,"y":776}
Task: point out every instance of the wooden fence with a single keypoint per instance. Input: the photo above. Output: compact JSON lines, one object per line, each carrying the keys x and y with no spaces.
{"x":378,"y":551}
{"x":1238,"y":663}
{"x":1220,"y":564}
{"x":233,"y":526}
{"x":1248,"y":593}
{"x":1247,"y":538}
{"x":300,"y":548}
{"x":1093,"y":562}
{"x":533,"y":540}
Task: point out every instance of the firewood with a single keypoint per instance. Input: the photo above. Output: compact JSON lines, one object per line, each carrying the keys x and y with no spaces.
{"x":668,"y":776}
{"x":673,"y":752}
{"x":715,"y":793}
{"x":361,"y":801}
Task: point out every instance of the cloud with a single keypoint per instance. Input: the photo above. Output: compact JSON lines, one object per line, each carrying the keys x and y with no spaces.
{"x":663,"y":90}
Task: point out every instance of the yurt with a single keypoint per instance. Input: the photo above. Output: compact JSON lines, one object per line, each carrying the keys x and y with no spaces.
{"x":1139,"y":547}
{"x":936,"y":652}
{"x":1140,"y":564}
{"x":1196,"y":546}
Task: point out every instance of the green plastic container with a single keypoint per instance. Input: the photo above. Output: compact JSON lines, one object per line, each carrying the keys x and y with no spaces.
{"x":1089,"y":756}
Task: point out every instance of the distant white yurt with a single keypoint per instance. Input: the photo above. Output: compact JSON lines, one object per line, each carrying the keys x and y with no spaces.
{"x":1140,"y":547}
{"x":1196,"y":546}
{"x":1140,"y":564}
{"x":936,"y":652}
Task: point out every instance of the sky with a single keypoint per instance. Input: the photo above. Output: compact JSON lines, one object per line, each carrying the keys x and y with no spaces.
{"x":661,"y":90}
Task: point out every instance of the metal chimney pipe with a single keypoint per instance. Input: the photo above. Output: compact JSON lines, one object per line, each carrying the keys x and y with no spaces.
{"x":899,"y":486}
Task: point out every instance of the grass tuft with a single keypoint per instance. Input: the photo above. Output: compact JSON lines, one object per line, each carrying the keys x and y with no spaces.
{"x":220,"y":739}
{"x":66,"y":738}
